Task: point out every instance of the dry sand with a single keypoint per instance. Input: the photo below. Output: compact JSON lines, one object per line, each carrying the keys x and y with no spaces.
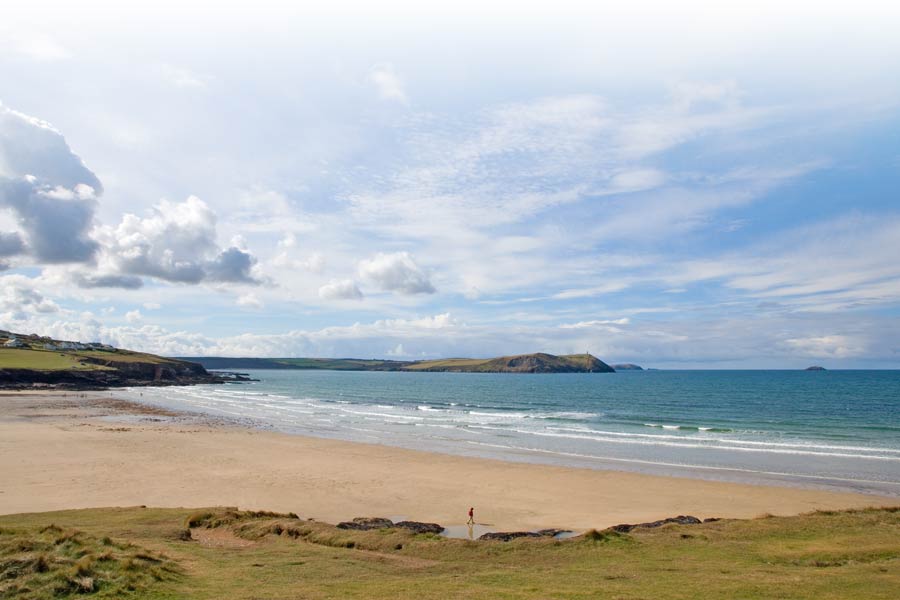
{"x":59,"y":452}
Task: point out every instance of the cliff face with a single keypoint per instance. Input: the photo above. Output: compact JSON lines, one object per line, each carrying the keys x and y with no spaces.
{"x":131,"y":376}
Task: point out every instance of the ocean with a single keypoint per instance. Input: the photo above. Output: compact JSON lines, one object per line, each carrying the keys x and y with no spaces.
{"x":828,"y":429}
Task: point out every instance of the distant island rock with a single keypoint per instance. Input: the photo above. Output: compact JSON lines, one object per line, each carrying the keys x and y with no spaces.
{"x":814,"y":368}
{"x":628,"y":367}
{"x":33,"y":361}
{"x":521,"y":363}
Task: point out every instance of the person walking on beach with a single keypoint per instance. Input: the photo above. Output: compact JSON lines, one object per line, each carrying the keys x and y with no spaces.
{"x":471,"y":520}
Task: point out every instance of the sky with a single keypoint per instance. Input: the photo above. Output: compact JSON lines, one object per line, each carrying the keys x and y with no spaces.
{"x":678,"y":186}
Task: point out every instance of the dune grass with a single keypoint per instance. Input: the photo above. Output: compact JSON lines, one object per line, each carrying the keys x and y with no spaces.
{"x":852,"y":554}
{"x":52,"y":562}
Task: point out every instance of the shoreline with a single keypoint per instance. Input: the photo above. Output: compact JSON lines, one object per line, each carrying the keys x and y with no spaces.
{"x":80,"y":450}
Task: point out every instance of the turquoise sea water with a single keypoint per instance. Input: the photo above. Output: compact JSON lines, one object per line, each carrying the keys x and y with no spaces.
{"x":833,"y":429}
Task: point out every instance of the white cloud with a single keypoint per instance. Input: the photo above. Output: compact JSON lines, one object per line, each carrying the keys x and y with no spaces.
{"x":249,"y":301}
{"x":764,"y":340}
{"x":396,"y":272}
{"x":345,"y":289}
{"x":388,"y":83}
{"x":20,"y":300}
{"x":152,"y":305}
{"x":176,"y":242}
{"x":827,"y":346}
{"x":397,"y":351}
{"x":48,"y":188}
{"x":134,"y":316}
{"x":604,"y":323}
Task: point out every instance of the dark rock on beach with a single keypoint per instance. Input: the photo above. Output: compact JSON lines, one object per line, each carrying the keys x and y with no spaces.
{"x":418,"y":527}
{"x":505,"y":536}
{"x":680,"y":520}
{"x":369,"y":523}
{"x":366,"y":523}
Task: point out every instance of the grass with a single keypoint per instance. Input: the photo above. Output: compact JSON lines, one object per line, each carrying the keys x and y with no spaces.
{"x":43,"y":360}
{"x":828,"y":555}
{"x":447,"y":363}
{"x":52,"y":562}
{"x":123,"y":356}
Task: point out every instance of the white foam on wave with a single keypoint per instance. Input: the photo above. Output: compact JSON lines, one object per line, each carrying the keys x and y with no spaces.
{"x":680,"y":465}
{"x":685,"y":443}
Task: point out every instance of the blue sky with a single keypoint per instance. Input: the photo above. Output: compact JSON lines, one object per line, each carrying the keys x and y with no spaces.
{"x":681,"y":187}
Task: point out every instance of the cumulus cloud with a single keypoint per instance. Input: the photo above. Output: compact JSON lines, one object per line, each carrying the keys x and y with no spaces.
{"x":134,"y":316}
{"x":19,"y":299}
{"x":49,"y":189}
{"x":396,"y":272}
{"x":340,"y":290}
{"x":175,"y":243}
{"x":388,"y":83}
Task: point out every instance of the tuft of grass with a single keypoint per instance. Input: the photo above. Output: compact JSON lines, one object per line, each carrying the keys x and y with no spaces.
{"x":230,"y":516}
{"x":607,"y":535}
{"x":44,"y":562}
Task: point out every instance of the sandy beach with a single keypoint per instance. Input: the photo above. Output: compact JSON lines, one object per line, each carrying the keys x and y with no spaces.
{"x":67,"y":451}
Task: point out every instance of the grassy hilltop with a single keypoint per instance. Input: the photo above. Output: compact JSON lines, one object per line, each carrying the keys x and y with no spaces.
{"x":218,"y":553}
{"x":521,"y":363}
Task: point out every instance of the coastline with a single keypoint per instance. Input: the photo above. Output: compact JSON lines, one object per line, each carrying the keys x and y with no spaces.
{"x":80,"y":450}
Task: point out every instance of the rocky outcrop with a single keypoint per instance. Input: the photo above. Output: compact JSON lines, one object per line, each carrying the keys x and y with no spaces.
{"x":814,"y":368}
{"x":133,"y":375}
{"x":505,"y":536}
{"x":369,"y":523}
{"x":366,"y":523}
{"x":680,"y":520}
{"x":419,"y":527}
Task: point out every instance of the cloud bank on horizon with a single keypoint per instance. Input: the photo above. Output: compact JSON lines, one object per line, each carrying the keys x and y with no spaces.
{"x":707,"y":188}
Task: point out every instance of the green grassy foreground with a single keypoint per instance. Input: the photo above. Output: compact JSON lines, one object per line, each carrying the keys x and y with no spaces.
{"x":148,"y":553}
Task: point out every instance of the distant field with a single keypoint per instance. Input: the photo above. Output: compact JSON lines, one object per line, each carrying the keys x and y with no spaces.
{"x":42,"y":360}
{"x":124,"y":356}
{"x":147,"y":552}
{"x":447,"y":363}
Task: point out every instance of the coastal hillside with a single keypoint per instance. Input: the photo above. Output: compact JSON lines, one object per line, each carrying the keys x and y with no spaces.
{"x":521,"y":363}
{"x":33,"y":361}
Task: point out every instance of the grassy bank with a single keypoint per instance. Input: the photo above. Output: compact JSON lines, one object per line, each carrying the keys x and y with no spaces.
{"x":853,"y":554}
